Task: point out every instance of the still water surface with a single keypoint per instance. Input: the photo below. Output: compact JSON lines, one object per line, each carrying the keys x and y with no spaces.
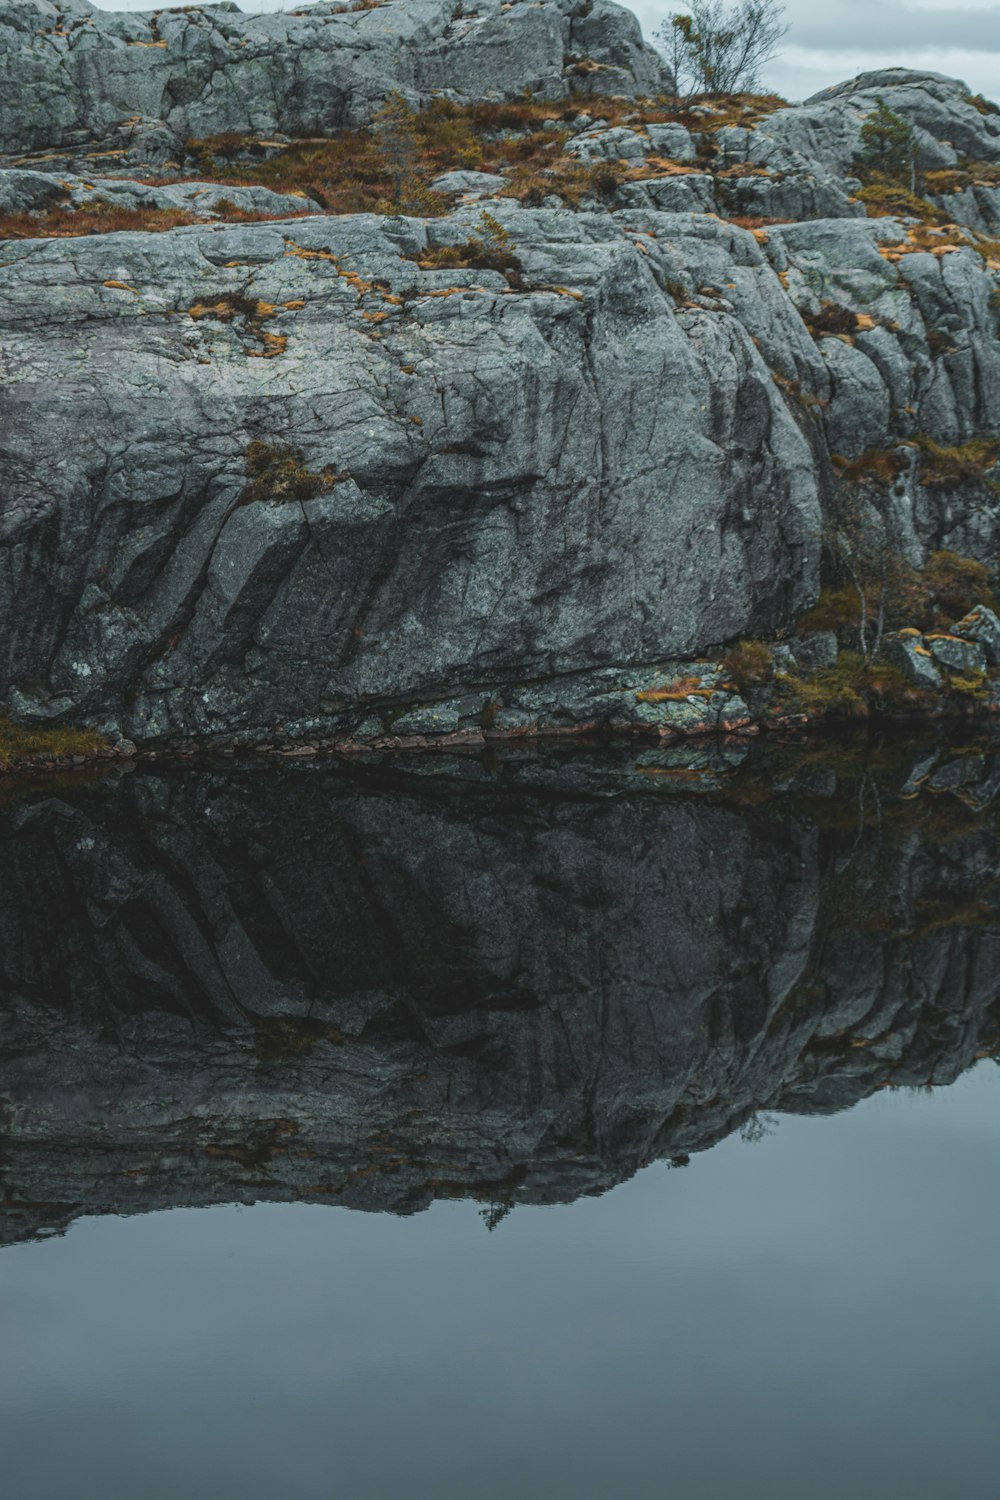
{"x":813,"y":1314}
{"x":526,"y":1128}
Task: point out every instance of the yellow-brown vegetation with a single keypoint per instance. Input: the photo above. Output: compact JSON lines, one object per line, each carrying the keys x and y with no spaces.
{"x":749,"y":664}
{"x":277,"y":473}
{"x":349,"y":172}
{"x":23,"y":743}
{"x":852,"y":689}
{"x":675,"y":692}
{"x":924,"y":599}
{"x":964,"y":463}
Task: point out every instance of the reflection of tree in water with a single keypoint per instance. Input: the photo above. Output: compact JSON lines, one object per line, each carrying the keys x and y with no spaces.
{"x":496,"y":1212}
{"x":757,"y":1127}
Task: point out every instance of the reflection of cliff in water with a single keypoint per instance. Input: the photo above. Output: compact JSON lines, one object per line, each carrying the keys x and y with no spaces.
{"x":519,"y":982}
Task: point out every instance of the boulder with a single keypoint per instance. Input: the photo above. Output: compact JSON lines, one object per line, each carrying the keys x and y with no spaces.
{"x":957,"y":655}
{"x":908,"y":651}
{"x":981,"y":626}
{"x":469,"y":184}
{"x":618,"y":144}
{"x":34,"y":192}
{"x":672,"y":141}
{"x":815,"y":651}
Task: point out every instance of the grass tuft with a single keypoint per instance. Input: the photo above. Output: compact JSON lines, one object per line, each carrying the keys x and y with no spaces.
{"x":24,"y":743}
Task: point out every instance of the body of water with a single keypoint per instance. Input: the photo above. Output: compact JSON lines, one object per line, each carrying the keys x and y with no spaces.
{"x":543,"y":1128}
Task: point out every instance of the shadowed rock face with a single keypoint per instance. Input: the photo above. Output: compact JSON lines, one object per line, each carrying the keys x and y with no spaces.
{"x":516,"y":985}
{"x":497,"y":487}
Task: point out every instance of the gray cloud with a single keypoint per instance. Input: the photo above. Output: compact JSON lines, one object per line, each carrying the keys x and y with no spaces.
{"x":828,"y":43}
{"x":875,"y":25}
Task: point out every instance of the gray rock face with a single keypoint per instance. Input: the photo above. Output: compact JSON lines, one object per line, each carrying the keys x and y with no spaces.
{"x":908,"y":651}
{"x":957,"y":655}
{"x":595,"y":469}
{"x":807,"y":150}
{"x":469,"y":184}
{"x":506,"y":486}
{"x":28,"y":191}
{"x":370,"y":991}
{"x":981,"y":626}
{"x":936,"y":105}
{"x":283,"y":477}
{"x":71,"y":72}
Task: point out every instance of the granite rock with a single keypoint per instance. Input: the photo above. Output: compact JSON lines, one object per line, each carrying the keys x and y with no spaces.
{"x":70,"y":72}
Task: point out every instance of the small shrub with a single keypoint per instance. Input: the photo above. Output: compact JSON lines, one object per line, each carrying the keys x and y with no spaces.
{"x":944,"y":590}
{"x":939,"y":343}
{"x":604,"y":181}
{"x":836,"y":609}
{"x":831,"y":319}
{"x":853,"y":689}
{"x":278,"y":474}
{"x":886,"y":145}
{"x":228,"y":305}
{"x":488,"y":250}
{"x":877,"y":466}
{"x":965,"y":463}
{"x":749,"y":664}
{"x":885,"y":199}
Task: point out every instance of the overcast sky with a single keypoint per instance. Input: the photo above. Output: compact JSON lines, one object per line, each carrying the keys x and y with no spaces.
{"x":828,"y":42}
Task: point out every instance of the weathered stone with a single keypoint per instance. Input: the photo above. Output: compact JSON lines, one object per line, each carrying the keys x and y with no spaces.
{"x":956,"y":654}
{"x":517,"y":493}
{"x":30,"y":191}
{"x":909,"y":651}
{"x":573,"y":448}
{"x":816,"y":650}
{"x":72,"y":72}
{"x":981,"y":625}
{"x":482,"y":184}
{"x":617,"y":144}
{"x":672,"y":141}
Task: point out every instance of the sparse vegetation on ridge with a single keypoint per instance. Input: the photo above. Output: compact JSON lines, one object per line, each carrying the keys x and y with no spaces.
{"x":383,"y":167}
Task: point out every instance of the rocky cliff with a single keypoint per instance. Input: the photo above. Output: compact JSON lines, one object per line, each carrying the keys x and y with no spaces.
{"x":322,"y":473}
{"x":517,"y":985}
{"x":70,"y":72}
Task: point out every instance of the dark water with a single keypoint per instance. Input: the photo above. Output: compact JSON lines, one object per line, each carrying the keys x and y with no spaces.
{"x":531,"y":1127}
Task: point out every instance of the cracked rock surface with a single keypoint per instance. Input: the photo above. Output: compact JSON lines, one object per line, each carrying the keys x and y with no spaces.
{"x":295,"y":477}
{"x":619,"y":458}
{"x":70,"y":72}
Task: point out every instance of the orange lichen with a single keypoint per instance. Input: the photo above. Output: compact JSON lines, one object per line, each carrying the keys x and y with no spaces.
{"x":675,"y":692}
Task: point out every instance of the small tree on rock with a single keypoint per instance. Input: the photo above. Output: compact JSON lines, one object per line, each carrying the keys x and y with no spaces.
{"x":887,"y":147}
{"x":395,"y":130}
{"x":719,"y":48}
